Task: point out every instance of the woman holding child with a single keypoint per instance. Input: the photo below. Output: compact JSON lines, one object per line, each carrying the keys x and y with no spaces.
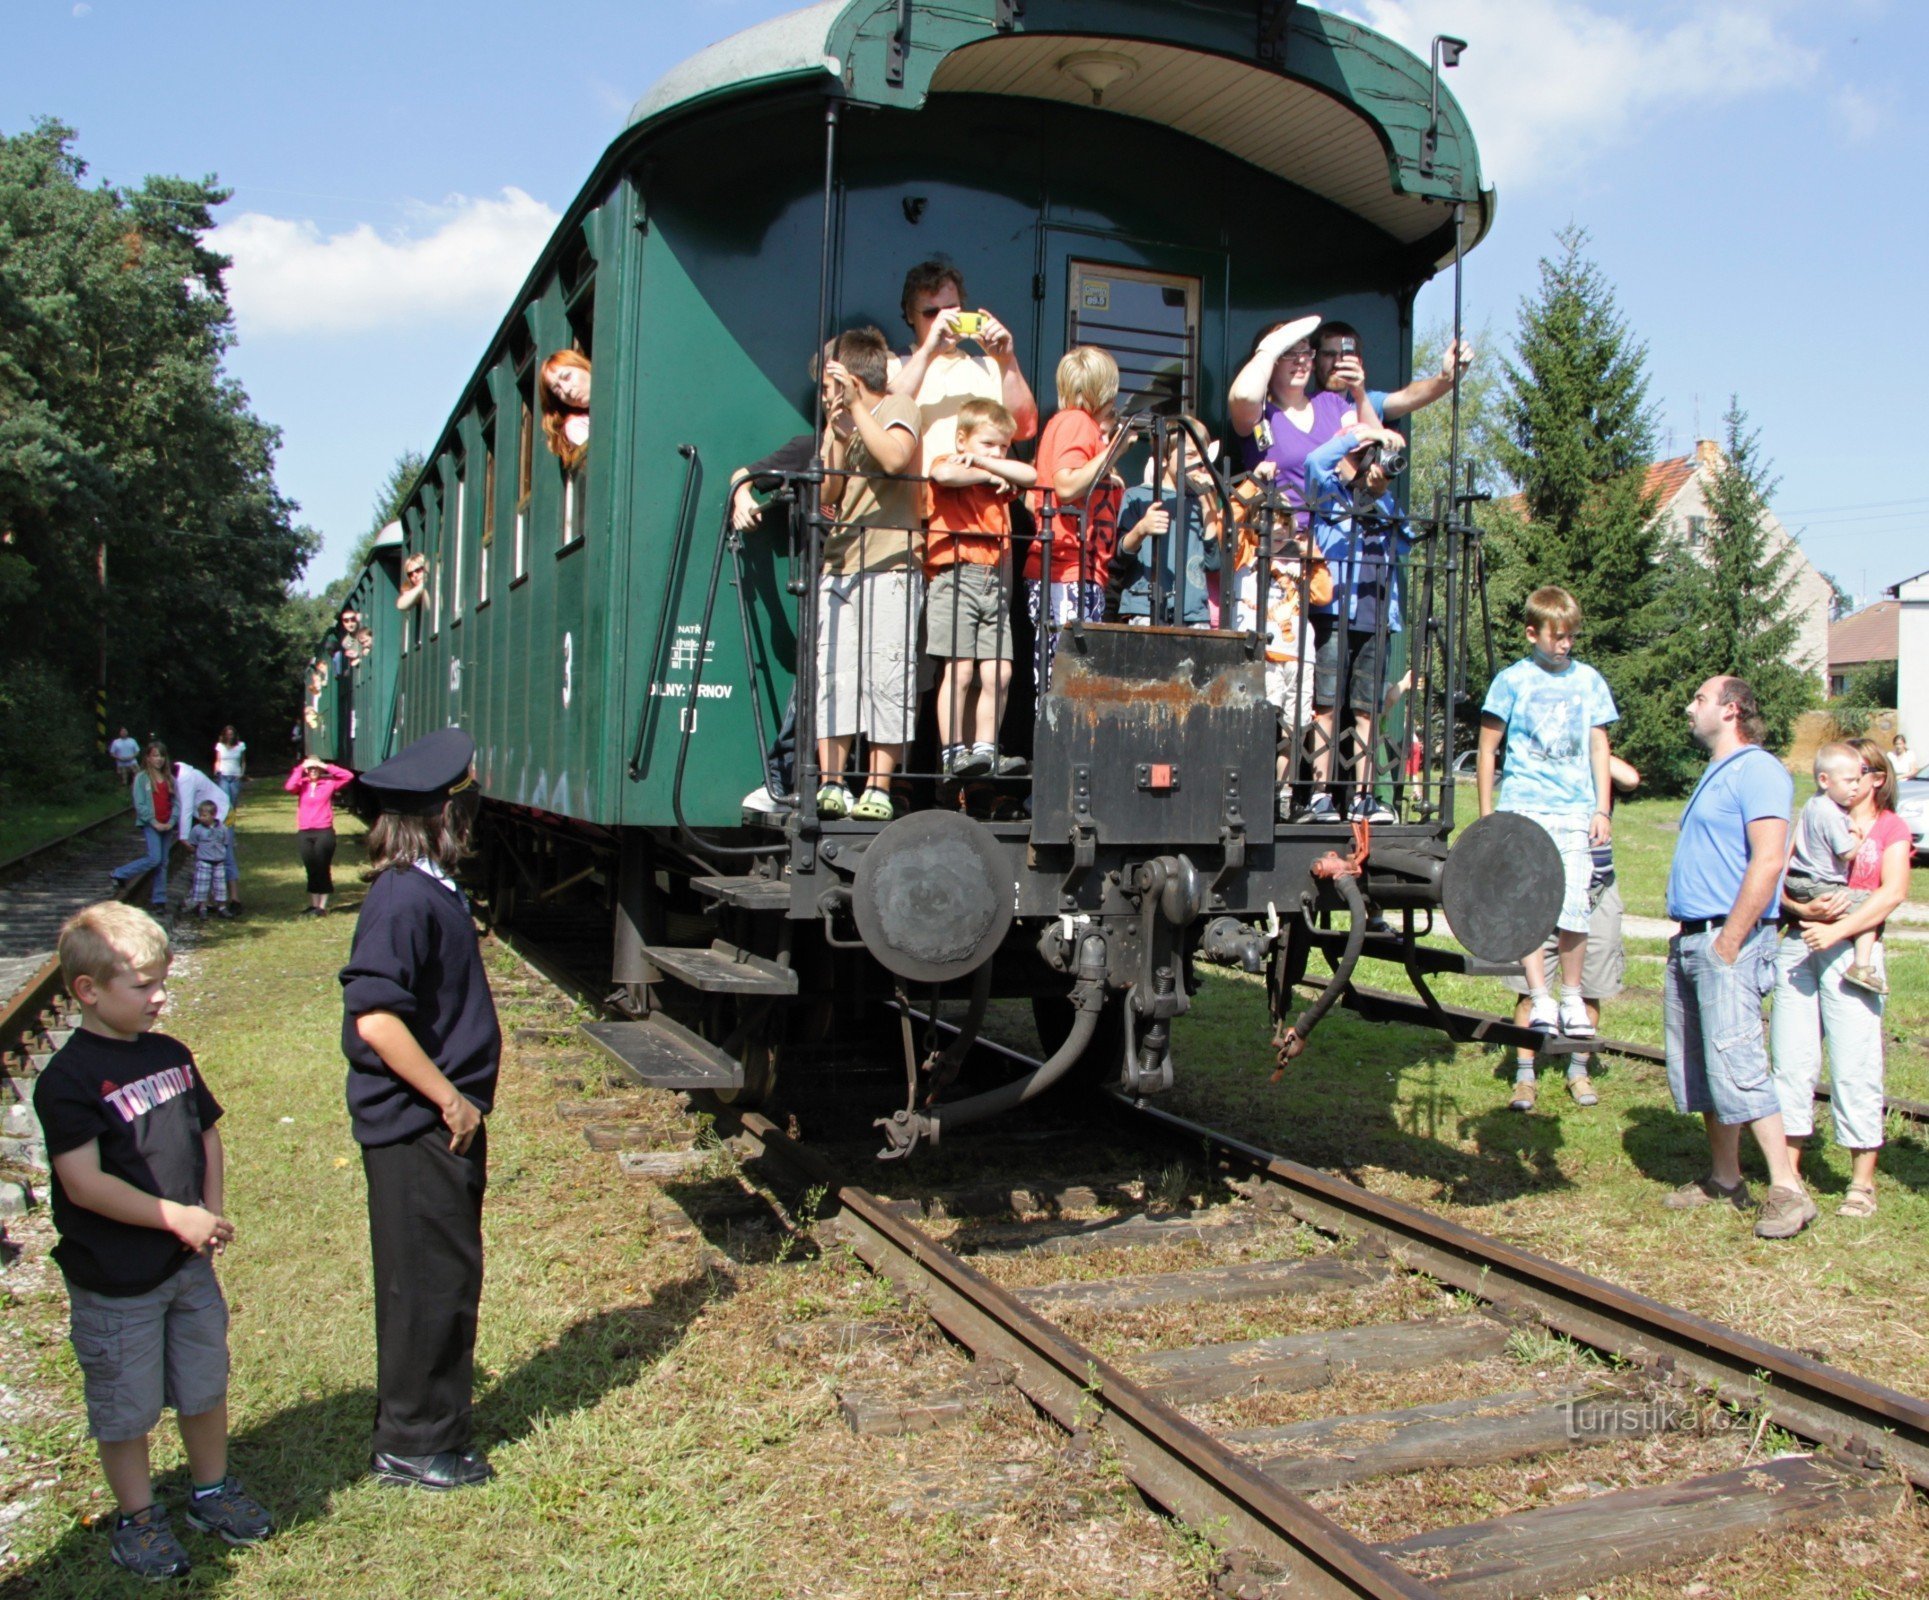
{"x":1814,"y":1005}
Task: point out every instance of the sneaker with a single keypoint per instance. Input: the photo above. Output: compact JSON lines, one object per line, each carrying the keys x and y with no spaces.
{"x":231,"y":1512}
{"x":875,"y":806}
{"x":1318,"y":809}
{"x":1525,"y":1089}
{"x":145,"y":1545}
{"x":1574,"y":1019}
{"x":1010,"y":767}
{"x":1543,"y":1016}
{"x":968,"y":761}
{"x":226,"y":913}
{"x":1581,"y":1087}
{"x":1706,"y":1192}
{"x":761,"y":802}
{"x":833,"y":800}
{"x":1368,"y":808}
{"x":1866,"y":978}
{"x":1785,"y":1213}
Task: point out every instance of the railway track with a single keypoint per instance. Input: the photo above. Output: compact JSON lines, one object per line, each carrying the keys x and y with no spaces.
{"x":1276,"y":1238}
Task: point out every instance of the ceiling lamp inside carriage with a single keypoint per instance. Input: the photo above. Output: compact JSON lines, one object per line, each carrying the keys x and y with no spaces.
{"x":1098,"y":70}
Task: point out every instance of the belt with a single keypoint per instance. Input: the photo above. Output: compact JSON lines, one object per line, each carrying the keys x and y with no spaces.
{"x":1692,"y":925}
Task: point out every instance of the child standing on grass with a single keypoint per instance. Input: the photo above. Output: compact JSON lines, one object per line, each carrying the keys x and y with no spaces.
{"x":209,"y":841}
{"x":423,"y":1045}
{"x":137,"y":1197}
{"x":1825,"y":849}
{"x":1554,"y":712}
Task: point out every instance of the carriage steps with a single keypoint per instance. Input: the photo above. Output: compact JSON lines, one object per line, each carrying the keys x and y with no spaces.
{"x":748,"y":894}
{"x":723,"y":968}
{"x":661,"y":1054}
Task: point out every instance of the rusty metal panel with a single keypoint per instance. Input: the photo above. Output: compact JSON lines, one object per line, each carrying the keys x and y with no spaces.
{"x":1154,"y":736}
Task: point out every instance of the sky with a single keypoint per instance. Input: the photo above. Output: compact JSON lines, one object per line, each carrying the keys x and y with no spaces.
{"x":1741,"y":168}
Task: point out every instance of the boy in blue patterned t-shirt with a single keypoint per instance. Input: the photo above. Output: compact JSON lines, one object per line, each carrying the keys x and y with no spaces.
{"x":1553,"y":712}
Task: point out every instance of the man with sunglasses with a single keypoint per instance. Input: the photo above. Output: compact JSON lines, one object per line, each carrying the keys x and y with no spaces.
{"x":940,"y":376}
{"x":1339,"y":367}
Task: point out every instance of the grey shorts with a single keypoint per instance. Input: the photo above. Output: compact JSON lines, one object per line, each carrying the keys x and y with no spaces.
{"x":1366,"y":677}
{"x":967,"y":614}
{"x":1604,"y":964}
{"x":1711,"y":1011}
{"x":1799,"y":886}
{"x":138,"y":1353}
{"x":867,"y":640}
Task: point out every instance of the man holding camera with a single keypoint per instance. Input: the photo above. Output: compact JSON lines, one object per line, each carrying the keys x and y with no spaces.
{"x":939,"y":376}
{"x":1339,"y":366}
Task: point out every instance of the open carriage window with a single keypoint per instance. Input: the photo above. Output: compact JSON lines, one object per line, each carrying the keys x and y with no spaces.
{"x":1149,"y":322}
{"x":458,"y":534}
{"x":525,"y":460}
{"x":485,"y":546}
{"x":577,"y":276}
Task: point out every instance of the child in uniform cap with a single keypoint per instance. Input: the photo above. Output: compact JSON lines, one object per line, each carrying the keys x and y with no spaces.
{"x":423,"y":1049}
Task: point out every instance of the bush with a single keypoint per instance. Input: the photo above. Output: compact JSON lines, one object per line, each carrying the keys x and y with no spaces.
{"x":46,"y":736}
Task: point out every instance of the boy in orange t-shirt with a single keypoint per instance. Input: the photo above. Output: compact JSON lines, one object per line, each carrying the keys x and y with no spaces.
{"x":967,"y":608}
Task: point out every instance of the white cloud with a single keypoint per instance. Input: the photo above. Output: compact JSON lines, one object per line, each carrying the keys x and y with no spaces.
{"x":1550,"y":84}
{"x":465,"y":257}
{"x":1858,"y":117}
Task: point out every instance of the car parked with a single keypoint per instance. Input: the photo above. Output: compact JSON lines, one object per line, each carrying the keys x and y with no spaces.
{"x":1912,"y":805}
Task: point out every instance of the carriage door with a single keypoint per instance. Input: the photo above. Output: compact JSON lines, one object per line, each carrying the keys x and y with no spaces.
{"x":1149,"y":321}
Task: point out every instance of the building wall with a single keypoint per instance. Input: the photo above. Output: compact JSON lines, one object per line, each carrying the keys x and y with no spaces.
{"x":1912,"y":659}
{"x":1809,"y":594}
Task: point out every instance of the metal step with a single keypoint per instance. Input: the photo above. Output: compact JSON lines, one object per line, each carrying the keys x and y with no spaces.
{"x":752,"y":894}
{"x":722,"y":969}
{"x":661,"y":1054}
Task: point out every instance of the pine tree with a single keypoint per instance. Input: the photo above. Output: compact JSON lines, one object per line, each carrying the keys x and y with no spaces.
{"x":1736,"y":599}
{"x":1578,"y":437}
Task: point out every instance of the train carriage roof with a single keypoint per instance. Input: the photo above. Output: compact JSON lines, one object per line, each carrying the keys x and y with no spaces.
{"x":1321,"y":102}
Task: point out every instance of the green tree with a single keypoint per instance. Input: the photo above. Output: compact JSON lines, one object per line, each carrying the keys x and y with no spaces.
{"x":140,"y":527}
{"x":389,"y":501}
{"x":1577,"y":436}
{"x":1735,"y":601}
{"x":1482,"y":424}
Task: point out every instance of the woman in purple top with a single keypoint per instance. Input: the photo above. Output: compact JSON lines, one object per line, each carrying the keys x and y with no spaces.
{"x":314,"y":783}
{"x":1275,"y":417}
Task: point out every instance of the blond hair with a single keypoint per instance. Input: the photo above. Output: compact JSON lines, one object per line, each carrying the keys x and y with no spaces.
{"x":1552,"y":606}
{"x":1088,"y":378}
{"x":1834,"y":756}
{"x":109,"y":938}
{"x":979,"y":412}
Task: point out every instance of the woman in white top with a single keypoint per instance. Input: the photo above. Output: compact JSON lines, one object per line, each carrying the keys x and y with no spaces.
{"x":230,"y":762}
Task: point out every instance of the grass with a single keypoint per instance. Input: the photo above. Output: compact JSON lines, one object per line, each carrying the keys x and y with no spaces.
{"x":25,"y":824}
{"x":658,"y":1400}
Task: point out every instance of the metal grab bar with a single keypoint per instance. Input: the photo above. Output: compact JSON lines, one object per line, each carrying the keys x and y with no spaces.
{"x":693,"y":461}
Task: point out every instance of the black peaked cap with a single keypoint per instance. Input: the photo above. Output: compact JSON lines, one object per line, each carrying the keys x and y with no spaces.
{"x":417,"y":780}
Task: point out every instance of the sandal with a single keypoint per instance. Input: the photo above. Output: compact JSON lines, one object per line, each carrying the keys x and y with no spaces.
{"x":1858,"y":1202}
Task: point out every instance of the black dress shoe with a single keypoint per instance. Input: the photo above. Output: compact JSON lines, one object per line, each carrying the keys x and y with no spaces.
{"x":446,"y":1469}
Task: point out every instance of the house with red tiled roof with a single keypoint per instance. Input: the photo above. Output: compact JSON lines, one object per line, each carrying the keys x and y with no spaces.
{"x":1680,"y":485}
{"x":1863,"y":638}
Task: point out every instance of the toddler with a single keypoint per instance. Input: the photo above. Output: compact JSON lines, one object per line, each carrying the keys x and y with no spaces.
{"x":1825,"y":846}
{"x":209,"y":841}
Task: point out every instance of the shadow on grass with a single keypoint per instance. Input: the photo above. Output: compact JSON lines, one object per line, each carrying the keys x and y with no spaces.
{"x":297,"y":1460}
{"x":1672,"y":1149}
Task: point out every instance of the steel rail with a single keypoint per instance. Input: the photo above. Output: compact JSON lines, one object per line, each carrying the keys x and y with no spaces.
{"x":1860,"y":1418}
{"x":1213,"y":1489}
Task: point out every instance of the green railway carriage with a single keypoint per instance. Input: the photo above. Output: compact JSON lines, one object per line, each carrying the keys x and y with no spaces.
{"x":355,"y":712}
{"x":1162,"y":179}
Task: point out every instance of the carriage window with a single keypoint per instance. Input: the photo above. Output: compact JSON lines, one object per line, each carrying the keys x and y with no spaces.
{"x":574,"y":499}
{"x":525,"y":463}
{"x":460,"y":528}
{"x":440,"y":541}
{"x":1149,"y":321}
{"x":488,"y":539}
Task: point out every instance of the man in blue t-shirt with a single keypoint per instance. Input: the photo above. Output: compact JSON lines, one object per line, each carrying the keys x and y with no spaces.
{"x":1723,"y":889}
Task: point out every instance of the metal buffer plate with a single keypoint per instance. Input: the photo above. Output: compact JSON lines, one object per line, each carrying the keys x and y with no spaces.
{"x":1502,"y":887}
{"x":933,"y":896}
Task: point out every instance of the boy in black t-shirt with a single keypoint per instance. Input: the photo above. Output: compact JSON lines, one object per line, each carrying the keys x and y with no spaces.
{"x":137,"y":1190}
